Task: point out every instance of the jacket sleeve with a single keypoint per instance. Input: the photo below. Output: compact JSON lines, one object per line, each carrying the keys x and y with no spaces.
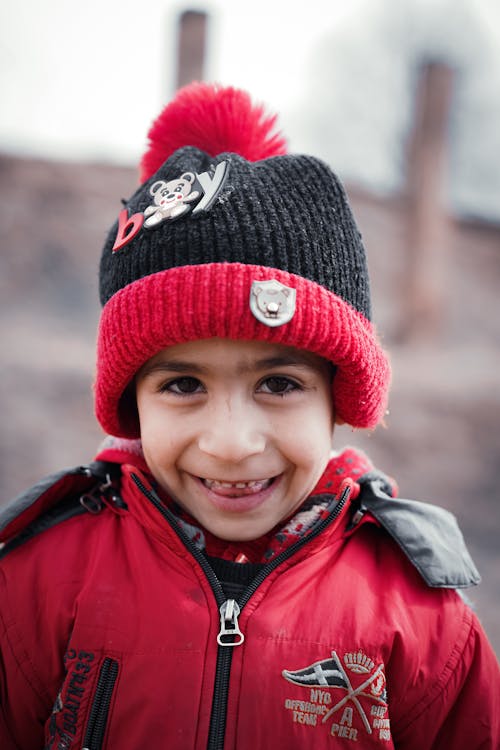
{"x":22,"y":708}
{"x":465,"y":714}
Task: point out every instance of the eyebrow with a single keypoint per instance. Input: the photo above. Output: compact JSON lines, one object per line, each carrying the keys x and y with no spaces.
{"x":281,"y":360}
{"x":172,"y":365}
{"x":266,"y":363}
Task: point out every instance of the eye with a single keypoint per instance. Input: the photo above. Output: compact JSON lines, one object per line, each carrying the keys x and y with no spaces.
{"x":278,"y":385}
{"x":184,"y":386}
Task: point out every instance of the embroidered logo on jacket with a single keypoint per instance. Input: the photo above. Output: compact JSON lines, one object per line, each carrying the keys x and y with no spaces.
{"x":64,"y":723}
{"x":349,"y":703}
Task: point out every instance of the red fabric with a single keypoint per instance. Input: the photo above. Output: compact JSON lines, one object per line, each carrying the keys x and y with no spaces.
{"x":214,"y":119}
{"x":121,"y":586}
{"x":212,"y":300}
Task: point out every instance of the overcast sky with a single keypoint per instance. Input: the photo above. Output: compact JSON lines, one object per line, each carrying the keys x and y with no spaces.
{"x":84,"y":80}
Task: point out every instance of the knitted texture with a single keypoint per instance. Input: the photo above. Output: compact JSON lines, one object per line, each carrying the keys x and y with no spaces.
{"x":180,"y":264}
{"x":287,"y":212}
{"x":203,"y":301}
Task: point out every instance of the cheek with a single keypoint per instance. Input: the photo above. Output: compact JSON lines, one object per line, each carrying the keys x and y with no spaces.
{"x":158,"y":436}
{"x":310,"y":445}
{"x":322,"y":416}
{"x":320,"y":429}
{"x":161,"y":456}
{"x":153,"y":426}
{"x":164,"y":436}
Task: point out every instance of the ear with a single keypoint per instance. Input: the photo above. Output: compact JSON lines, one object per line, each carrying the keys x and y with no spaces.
{"x":188,"y":176}
{"x":158,"y":185}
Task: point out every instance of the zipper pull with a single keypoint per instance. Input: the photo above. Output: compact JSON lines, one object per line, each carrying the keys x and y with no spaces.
{"x":230,"y":633}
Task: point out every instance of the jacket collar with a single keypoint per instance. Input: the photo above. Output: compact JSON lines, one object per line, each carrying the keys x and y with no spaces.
{"x":342,"y":472}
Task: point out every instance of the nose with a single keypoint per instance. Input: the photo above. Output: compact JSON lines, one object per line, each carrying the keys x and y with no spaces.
{"x":233,"y":432}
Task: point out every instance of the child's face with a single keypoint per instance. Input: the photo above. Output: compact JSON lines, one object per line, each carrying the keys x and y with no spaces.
{"x":237,"y":432}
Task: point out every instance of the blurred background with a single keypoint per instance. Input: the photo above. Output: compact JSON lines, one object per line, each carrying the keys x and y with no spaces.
{"x":401,"y":97}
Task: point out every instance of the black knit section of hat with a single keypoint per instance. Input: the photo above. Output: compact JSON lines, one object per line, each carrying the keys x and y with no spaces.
{"x":287,"y":212}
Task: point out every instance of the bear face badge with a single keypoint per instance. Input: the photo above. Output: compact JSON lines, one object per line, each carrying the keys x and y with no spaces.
{"x":272,"y":303}
{"x":190,"y":193}
{"x":171,"y":199}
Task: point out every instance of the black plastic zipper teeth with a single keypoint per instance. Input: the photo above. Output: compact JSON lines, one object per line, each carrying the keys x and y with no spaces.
{"x":262,"y":574}
{"x":219,"y":704}
{"x":98,"y":717}
{"x":199,"y":556}
{"x":224,"y":654}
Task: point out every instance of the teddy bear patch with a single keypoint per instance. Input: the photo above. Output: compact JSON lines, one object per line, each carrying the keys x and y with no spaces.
{"x":170,"y":199}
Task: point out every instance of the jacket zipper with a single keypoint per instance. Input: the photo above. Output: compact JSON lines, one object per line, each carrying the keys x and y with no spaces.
{"x":98,"y":717}
{"x":229,"y":627}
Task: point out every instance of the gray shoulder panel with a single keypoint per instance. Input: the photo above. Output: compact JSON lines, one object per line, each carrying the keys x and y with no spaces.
{"x":69,"y":478}
{"x":22,"y":502}
{"x":54,"y":499}
{"x":428,"y":535}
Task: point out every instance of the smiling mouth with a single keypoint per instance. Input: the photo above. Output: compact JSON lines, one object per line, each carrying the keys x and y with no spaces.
{"x":237,"y":489}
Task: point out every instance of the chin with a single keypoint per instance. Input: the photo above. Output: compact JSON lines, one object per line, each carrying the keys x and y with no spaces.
{"x":237,"y":534}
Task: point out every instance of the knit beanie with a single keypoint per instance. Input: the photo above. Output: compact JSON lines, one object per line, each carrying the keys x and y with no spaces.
{"x":229,"y":236}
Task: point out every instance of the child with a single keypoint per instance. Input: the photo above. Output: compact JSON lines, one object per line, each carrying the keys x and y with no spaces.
{"x":216,"y":578}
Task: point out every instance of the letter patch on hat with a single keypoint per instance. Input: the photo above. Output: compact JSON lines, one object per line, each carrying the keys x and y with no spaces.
{"x":272,"y":303}
{"x":172,"y":199}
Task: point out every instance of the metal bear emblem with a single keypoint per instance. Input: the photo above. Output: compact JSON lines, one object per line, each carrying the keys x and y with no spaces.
{"x":272,"y":303}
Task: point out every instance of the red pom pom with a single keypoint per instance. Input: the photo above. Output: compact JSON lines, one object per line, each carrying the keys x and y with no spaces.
{"x":214,"y":119}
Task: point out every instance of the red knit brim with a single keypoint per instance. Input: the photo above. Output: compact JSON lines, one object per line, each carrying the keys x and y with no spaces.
{"x":189,"y":303}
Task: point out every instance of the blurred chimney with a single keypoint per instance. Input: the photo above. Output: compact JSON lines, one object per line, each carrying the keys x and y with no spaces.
{"x":191,"y":48}
{"x":429,"y":223}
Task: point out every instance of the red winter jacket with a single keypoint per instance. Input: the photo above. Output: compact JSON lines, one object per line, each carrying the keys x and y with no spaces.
{"x":110,"y":617}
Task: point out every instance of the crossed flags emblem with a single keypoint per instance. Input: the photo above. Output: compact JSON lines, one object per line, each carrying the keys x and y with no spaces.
{"x":330,"y":673}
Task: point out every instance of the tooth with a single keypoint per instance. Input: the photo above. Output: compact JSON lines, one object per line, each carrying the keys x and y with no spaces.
{"x":252,"y":484}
